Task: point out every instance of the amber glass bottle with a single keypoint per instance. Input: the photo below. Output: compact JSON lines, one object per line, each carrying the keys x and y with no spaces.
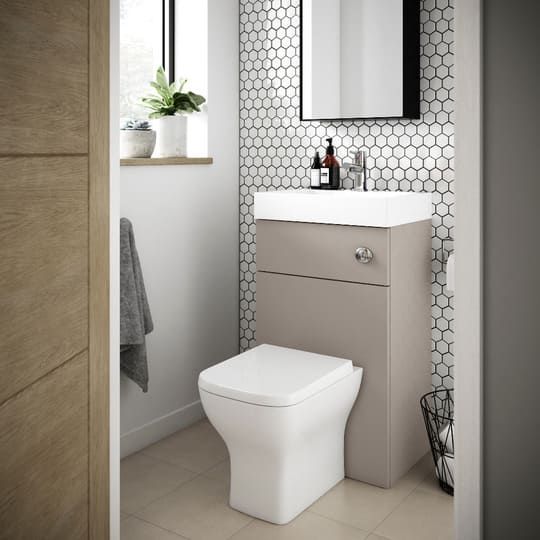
{"x":330,"y":168}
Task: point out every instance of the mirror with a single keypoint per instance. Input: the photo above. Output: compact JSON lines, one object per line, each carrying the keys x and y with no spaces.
{"x":360,"y":59}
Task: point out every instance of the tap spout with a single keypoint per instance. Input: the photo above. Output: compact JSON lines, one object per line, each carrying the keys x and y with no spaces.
{"x":358,"y":168}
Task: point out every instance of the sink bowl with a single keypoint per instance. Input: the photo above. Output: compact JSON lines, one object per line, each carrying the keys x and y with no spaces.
{"x":343,"y":207}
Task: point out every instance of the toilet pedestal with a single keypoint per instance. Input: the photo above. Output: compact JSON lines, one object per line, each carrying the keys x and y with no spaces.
{"x":283,"y":458}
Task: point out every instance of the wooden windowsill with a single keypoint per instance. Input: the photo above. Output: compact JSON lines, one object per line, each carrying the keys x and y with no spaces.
{"x":167,"y":161}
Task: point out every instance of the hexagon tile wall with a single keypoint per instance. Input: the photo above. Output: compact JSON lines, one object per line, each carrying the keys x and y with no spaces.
{"x":409,"y":155}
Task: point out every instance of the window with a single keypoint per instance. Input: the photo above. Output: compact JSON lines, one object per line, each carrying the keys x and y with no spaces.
{"x":146,"y":42}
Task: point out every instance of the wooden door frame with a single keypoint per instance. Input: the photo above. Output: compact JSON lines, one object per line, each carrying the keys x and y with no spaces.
{"x":469,"y":267}
{"x":99,"y":261}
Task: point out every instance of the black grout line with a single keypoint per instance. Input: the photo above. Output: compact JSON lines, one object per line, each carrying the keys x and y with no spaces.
{"x":266,"y":68}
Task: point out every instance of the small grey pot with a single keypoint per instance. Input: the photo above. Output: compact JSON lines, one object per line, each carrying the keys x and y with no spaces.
{"x":137,"y":143}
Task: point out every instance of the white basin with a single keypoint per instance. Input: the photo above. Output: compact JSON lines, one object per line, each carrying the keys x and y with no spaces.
{"x":344,"y":207}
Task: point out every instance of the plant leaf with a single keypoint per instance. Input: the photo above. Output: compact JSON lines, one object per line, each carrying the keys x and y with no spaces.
{"x":181,"y":84}
{"x":161,"y":78}
{"x":151,"y":101}
{"x":196,"y":98}
{"x":182,"y":102}
{"x":169,"y":98}
{"x":163,"y":92}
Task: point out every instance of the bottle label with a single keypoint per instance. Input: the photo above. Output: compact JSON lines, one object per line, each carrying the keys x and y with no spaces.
{"x":325,"y":176}
{"x":315,"y":180}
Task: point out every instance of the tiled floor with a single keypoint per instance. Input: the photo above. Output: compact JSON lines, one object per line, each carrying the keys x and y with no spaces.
{"x":178,"y":488}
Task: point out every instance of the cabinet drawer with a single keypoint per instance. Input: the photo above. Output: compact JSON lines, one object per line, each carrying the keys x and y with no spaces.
{"x":323,"y":251}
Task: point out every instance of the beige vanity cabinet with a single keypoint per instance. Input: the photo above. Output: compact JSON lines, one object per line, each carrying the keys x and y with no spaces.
{"x":314,"y":294}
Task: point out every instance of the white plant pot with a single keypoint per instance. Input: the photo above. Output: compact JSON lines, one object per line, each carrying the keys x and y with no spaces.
{"x":137,"y":143}
{"x":171,"y":136}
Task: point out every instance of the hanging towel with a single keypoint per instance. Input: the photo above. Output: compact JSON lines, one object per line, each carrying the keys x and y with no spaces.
{"x":135,"y":317}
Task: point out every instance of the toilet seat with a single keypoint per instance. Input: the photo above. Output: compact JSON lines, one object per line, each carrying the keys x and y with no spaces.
{"x":274,"y":376}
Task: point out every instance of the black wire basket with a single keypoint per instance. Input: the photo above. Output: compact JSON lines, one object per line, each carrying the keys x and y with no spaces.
{"x":438,"y":411}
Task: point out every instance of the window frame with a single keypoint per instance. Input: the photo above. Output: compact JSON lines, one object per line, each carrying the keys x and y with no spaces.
{"x":168,"y":38}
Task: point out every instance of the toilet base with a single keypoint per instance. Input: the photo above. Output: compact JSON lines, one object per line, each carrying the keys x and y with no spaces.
{"x":284,"y":458}
{"x":278,"y":488}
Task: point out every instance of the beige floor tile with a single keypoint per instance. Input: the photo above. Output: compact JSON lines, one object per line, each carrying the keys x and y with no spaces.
{"x":144,"y":479}
{"x":374,"y":536}
{"x":307,"y":526}
{"x":422,"y":516}
{"x":430,"y":484}
{"x":123,"y":516}
{"x":365,"y":506}
{"x":196,"y":448}
{"x":220,"y":472}
{"x":198,"y":510}
{"x":135,"y":529}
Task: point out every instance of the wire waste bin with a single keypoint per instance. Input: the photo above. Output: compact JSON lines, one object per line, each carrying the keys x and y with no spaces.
{"x":438,"y":410}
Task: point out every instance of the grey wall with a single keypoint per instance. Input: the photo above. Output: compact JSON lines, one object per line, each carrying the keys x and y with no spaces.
{"x":409,"y":155}
{"x":512,"y":270}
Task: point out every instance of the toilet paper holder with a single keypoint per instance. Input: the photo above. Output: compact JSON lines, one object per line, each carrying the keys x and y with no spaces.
{"x":447,"y":248}
{"x":449,"y":269}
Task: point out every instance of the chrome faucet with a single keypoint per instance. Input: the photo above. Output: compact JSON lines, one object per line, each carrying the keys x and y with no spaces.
{"x":359,"y":169}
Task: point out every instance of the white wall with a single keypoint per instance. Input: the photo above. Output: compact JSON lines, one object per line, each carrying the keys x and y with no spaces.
{"x":468,"y":241}
{"x":186,"y":229}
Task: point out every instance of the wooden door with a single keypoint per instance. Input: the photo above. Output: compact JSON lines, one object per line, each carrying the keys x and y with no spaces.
{"x":54,"y":185}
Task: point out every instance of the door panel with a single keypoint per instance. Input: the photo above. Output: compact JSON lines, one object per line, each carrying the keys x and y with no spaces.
{"x":44,"y":76}
{"x":44,"y":457}
{"x":54,"y":269}
{"x":348,"y":320}
{"x":44,"y":259}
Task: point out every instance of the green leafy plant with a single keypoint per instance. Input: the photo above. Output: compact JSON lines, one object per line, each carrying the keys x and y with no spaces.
{"x":170,"y":99}
{"x":136,"y":125}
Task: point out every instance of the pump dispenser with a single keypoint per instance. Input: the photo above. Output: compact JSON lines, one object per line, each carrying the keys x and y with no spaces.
{"x":330,"y":168}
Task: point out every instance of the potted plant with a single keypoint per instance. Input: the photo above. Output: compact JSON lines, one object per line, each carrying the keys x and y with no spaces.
{"x":137,"y":139}
{"x":169,"y":106}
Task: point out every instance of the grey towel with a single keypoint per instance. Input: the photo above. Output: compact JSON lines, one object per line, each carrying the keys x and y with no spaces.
{"x":135,"y":317}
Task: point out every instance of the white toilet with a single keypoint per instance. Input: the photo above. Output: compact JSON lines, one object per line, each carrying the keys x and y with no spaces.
{"x":282,"y":414}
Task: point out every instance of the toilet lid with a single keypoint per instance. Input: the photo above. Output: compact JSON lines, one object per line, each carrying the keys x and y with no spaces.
{"x":273,"y":376}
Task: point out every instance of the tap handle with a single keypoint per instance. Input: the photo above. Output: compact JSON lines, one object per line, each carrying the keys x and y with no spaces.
{"x":359,"y":157}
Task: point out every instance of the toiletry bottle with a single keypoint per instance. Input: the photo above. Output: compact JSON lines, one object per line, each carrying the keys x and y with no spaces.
{"x":330,"y":168}
{"x":315,"y":173}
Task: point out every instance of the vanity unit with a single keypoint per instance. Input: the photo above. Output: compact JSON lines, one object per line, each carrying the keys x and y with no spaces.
{"x":348,"y":274}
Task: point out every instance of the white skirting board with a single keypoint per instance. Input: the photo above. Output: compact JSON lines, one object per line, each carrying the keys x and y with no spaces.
{"x":161,"y":427}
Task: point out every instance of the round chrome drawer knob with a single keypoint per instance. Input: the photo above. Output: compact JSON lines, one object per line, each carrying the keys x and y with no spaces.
{"x":364,"y":255}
